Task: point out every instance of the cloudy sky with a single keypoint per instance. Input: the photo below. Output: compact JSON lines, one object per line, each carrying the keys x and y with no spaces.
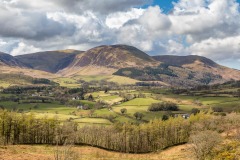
{"x":208,"y":28}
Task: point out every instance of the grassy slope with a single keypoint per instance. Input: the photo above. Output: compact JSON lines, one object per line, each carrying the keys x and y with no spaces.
{"x":72,"y":82}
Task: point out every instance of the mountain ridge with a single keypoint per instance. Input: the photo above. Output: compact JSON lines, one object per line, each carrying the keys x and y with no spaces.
{"x":126,"y":61}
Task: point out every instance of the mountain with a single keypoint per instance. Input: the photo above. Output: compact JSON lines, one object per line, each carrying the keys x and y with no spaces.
{"x":105,"y":60}
{"x":49,"y":61}
{"x":8,"y":60}
{"x":121,"y":60}
{"x":130,"y":62}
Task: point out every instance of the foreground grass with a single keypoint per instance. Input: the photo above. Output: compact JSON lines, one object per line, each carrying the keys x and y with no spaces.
{"x":43,"y":152}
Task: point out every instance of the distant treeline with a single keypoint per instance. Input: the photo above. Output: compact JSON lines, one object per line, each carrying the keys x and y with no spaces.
{"x":207,"y":89}
{"x":14,"y":78}
{"x":20,"y":90}
{"x":163,"y":106}
{"x":43,"y":81}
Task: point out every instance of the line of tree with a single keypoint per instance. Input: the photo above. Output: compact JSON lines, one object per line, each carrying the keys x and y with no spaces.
{"x":26,"y":129}
{"x":163,"y":106}
{"x":130,"y":138}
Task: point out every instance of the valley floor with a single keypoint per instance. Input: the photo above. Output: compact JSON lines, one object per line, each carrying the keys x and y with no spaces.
{"x":43,"y":152}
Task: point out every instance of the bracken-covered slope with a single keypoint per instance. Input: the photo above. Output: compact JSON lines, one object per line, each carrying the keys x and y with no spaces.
{"x":49,"y":61}
{"x":108,"y":59}
{"x":130,"y":62}
{"x":200,"y":65}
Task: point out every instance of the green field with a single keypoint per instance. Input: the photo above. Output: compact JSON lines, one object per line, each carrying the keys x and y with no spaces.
{"x":39,"y":107}
{"x":67,"y":82}
{"x":140,"y":102}
{"x":93,"y":121}
{"x":73,"y":82}
{"x":113,"y":104}
{"x":186,"y":104}
{"x":108,"y":98}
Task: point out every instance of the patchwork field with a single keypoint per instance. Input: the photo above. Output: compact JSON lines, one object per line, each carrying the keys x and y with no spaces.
{"x":114,"y":103}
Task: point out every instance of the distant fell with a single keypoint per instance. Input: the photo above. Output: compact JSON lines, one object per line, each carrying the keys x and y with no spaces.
{"x":8,"y":60}
{"x":49,"y":61}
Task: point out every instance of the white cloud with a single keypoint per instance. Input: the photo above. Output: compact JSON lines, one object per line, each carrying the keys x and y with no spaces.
{"x":154,"y":20}
{"x":175,"y":48}
{"x":117,"y":20}
{"x":201,"y":19}
{"x":209,"y":28}
{"x":145,"y":32}
{"x":22,"y":48}
{"x":2,"y":43}
{"x":75,"y":6}
{"x":220,"y":49}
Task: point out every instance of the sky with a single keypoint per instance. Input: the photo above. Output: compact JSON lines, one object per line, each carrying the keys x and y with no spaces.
{"x":209,"y":28}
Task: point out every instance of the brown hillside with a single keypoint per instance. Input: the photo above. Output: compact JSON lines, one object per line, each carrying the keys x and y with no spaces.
{"x":108,"y":59}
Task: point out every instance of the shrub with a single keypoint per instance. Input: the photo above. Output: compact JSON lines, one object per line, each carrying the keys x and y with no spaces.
{"x":165,"y":117}
{"x":138,"y":115}
{"x":195,"y":111}
{"x":203,"y":143}
{"x":123,"y":110}
{"x":217,"y":109}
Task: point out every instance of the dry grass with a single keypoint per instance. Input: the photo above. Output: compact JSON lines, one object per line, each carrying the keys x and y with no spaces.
{"x":86,"y":71}
{"x":25,"y":71}
{"x":27,"y":152}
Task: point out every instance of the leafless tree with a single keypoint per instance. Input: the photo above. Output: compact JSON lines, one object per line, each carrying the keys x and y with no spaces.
{"x":203,"y":143}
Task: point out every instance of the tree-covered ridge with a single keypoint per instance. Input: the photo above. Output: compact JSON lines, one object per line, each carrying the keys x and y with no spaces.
{"x":147,"y":73}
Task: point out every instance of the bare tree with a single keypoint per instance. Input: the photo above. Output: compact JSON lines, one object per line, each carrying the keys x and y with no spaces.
{"x":65,"y":152}
{"x":203,"y":143}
